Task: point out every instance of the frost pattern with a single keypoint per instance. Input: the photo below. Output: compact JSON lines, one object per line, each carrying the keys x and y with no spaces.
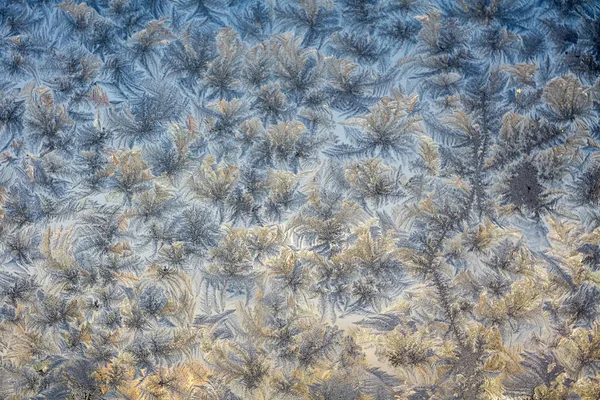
{"x":299,"y":199}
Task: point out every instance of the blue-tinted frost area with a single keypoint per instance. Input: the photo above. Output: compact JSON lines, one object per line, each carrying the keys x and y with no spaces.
{"x":303,"y":199}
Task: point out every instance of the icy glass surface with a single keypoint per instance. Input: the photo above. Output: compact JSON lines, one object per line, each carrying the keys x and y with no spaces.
{"x":299,"y":199}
